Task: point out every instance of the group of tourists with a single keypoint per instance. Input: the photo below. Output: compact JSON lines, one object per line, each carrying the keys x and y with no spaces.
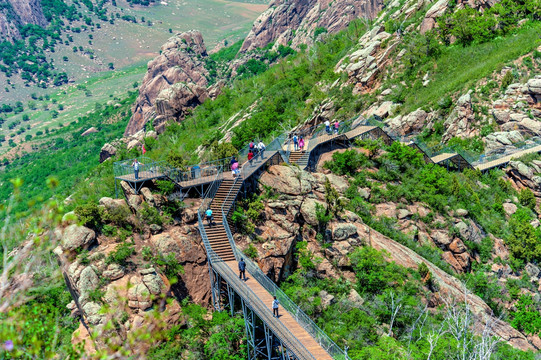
{"x":255,"y":150}
{"x":336,"y":126}
{"x":298,"y":143}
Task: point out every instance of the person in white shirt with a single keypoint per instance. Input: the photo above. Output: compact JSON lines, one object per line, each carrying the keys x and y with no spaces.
{"x":275,"y":304}
{"x":261,"y":147}
{"x":327,"y":126}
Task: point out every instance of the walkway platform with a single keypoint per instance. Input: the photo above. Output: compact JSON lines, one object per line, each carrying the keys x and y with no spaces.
{"x":285,"y":318}
{"x":505,"y":159}
{"x":455,"y":158}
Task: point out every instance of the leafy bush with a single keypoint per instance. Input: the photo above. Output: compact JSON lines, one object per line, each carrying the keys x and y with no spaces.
{"x":118,"y":215}
{"x":527,"y":318}
{"x":121,"y":254}
{"x":169,"y":265}
{"x":374,"y":273}
{"x":89,"y":214}
{"x":251,"y":252}
{"x":150,"y":215}
{"x":346,"y":163}
{"x":527,"y":198}
{"x":165,"y":187}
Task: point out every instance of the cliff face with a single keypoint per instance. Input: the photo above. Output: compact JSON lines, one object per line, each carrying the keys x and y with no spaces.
{"x":180,"y":62}
{"x":14,"y":13}
{"x":296,"y":21}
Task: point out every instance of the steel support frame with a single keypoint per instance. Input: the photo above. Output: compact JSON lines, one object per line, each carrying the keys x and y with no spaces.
{"x":261,"y":342}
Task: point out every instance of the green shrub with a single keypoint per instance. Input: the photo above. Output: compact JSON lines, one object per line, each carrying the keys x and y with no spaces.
{"x":251,"y":252}
{"x":121,"y":254}
{"x":346,"y":163}
{"x":527,"y":198}
{"x":96,"y":295}
{"x":507,"y":79}
{"x":169,"y":265}
{"x":374,"y":273}
{"x":423,"y":270}
{"x":150,"y":215}
{"x":165,"y":187}
{"x":527,"y":318}
{"x":89,"y":214}
{"x":118,"y":215}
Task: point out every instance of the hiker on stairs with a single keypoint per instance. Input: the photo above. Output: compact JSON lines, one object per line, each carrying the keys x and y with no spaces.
{"x":295,"y":142}
{"x":301,"y":144}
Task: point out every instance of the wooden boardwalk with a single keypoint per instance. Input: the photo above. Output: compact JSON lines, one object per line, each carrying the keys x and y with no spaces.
{"x":505,"y":159}
{"x":285,"y":318}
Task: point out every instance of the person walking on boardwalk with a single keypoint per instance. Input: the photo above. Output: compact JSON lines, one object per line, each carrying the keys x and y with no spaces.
{"x":275,"y":304}
{"x":251,"y":146}
{"x":301,"y":143}
{"x":232,"y":163}
{"x":136,"y":165}
{"x":208,"y":213}
{"x":261,"y":147}
{"x":295,"y":142}
{"x":327,"y":126}
{"x":336,"y":126}
{"x":250,"y":157}
{"x":242,"y":270}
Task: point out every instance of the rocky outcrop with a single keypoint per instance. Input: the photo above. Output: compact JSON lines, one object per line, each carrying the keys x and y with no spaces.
{"x":295,"y":21}
{"x":502,"y":141}
{"x":180,"y":61}
{"x":77,"y":237}
{"x":411,"y":123}
{"x":107,"y":151}
{"x":175,"y":102}
{"x":18,"y":13}
{"x":524,"y":176}
{"x":534,"y":89}
{"x":460,"y":121}
{"x":368,"y":58}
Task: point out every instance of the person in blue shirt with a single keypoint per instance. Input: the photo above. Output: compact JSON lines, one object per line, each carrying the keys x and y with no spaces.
{"x":242,"y":270}
{"x":208,"y":213}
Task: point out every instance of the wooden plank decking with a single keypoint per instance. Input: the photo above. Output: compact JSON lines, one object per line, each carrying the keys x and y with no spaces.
{"x":292,"y":325}
{"x":505,"y":159}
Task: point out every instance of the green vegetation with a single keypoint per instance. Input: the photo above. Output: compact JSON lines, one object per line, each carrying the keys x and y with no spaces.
{"x":66,"y":156}
{"x":121,"y":254}
{"x":381,"y":323}
{"x":220,"y":338}
{"x":42,"y":327}
{"x":478,"y":44}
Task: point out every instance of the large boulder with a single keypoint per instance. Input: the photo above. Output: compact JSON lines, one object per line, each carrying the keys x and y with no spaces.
{"x":176,"y":101}
{"x":138,"y":294}
{"x":534,"y":88}
{"x":288,"y":180}
{"x":107,"y":151}
{"x":76,"y":237}
{"x":460,"y":121}
{"x":407,"y":124}
{"x":308,"y":210}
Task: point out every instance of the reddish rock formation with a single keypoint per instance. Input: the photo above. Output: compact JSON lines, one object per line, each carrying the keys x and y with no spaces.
{"x":180,"y":62}
{"x":297,"y":20}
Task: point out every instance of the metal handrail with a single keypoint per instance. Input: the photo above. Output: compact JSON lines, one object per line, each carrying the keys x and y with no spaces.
{"x":254,"y":302}
{"x":296,"y":312}
{"x":124,"y":167}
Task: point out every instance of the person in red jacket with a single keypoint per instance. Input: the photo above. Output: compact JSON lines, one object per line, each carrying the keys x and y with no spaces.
{"x":250,"y":157}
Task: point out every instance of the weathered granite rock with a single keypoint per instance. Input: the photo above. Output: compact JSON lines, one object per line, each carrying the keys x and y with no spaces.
{"x":75,"y":237}
{"x":107,"y":151}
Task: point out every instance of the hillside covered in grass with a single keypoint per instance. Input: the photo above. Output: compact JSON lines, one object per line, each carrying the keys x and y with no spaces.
{"x":385,"y":252}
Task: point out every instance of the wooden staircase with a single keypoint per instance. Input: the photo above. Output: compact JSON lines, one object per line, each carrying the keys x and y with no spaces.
{"x":216,"y":233}
{"x":297,"y":157}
